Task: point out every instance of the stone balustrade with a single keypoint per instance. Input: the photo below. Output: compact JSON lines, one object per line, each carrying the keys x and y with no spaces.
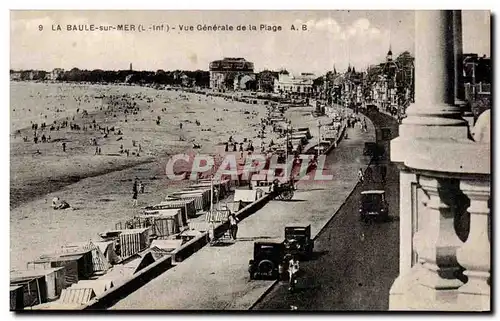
{"x":446,"y":244}
{"x":444,"y":185}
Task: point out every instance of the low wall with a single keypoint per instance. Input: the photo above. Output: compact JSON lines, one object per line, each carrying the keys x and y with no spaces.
{"x":339,"y":138}
{"x":197,"y":243}
{"x":189,"y":248}
{"x":252,"y":207}
{"x":115,"y":294}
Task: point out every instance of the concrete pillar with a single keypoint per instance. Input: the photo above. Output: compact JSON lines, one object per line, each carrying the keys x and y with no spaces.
{"x":434,"y":114}
{"x":459,"y":63}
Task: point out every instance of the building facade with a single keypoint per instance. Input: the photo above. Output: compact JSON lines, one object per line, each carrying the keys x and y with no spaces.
{"x":444,"y":196}
{"x":55,"y":74}
{"x":230,"y":74}
{"x":298,"y":86}
{"x":15,"y":75}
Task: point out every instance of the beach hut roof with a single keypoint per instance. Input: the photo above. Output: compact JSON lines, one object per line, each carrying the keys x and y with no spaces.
{"x":33,"y":273}
{"x":59,"y":257}
{"x":104,"y":246}
{"x":135,"y":230}
{"x":24,"y":279}
{"x":169,"y":245}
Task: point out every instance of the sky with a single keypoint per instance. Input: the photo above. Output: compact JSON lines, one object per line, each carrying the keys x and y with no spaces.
{"x":333,"y":38}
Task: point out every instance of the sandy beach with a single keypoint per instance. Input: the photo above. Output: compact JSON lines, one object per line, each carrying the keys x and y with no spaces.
{"x":99,"y":187}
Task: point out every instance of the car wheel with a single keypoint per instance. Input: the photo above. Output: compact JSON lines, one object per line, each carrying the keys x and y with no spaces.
{"x":265,"y":267}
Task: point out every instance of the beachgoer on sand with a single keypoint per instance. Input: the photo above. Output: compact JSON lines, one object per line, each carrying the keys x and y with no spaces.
{"x":134,"y":193}
{"x":58,"y":204}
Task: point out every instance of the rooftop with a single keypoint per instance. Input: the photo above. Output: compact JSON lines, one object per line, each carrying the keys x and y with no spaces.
{"x":270,"y":241}
{"x":298,"y":225}
{"x":372,"y":192}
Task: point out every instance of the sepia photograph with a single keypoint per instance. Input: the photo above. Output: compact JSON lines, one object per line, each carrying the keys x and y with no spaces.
{"x":250,"y":160}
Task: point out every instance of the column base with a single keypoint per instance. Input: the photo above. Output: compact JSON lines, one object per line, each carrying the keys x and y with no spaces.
{"x":408,"y":294}
{"x":426,"y":131}
{"x":428,"y":154}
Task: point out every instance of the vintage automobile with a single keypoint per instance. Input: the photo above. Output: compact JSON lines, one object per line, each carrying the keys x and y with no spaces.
{"x":298,"y":240}
{"x":268,"y":260}
{"x":373,"y":205}
{"x":369,"y":149}
{"x":374,"y":150}
{"x":371,"y":108}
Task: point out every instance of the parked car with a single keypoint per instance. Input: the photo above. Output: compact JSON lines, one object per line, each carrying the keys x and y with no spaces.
{"x":298,"y":240}
{"x":370,"y":149}
{"x":371,"y":108}
{"x":373,"y":205}
{"x":374,"y":150}
{"x":268,"y":260}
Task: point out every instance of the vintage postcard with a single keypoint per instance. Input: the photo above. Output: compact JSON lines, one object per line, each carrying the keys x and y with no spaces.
{"x":328,"y":160}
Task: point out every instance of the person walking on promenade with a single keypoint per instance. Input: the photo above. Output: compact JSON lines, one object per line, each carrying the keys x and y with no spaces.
{"x":293,"y":269}
{"x":233,"y":225}
{"x":134,"y":193}
{"x":361,"y":177}
{"x":64,"y":147}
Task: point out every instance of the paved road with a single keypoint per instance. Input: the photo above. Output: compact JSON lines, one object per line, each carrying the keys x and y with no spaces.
{"x":217,"y":277}
{"x":356,"y":262}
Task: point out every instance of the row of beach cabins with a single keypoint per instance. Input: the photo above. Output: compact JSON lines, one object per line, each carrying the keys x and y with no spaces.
{"x":78,"y":272}
{"x":75,"y":274}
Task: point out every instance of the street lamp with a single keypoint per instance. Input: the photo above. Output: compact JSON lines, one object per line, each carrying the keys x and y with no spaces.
{"x":288,"y":129}
{"x":319,"y":137}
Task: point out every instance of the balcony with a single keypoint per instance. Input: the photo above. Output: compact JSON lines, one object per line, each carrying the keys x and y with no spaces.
{"x":445,"y":183}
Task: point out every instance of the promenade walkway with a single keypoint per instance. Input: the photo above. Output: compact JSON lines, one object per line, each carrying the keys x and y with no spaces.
{"x":216,"y":278}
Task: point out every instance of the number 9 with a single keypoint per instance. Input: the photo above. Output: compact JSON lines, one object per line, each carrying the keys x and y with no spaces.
{"x":40,"y":27}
